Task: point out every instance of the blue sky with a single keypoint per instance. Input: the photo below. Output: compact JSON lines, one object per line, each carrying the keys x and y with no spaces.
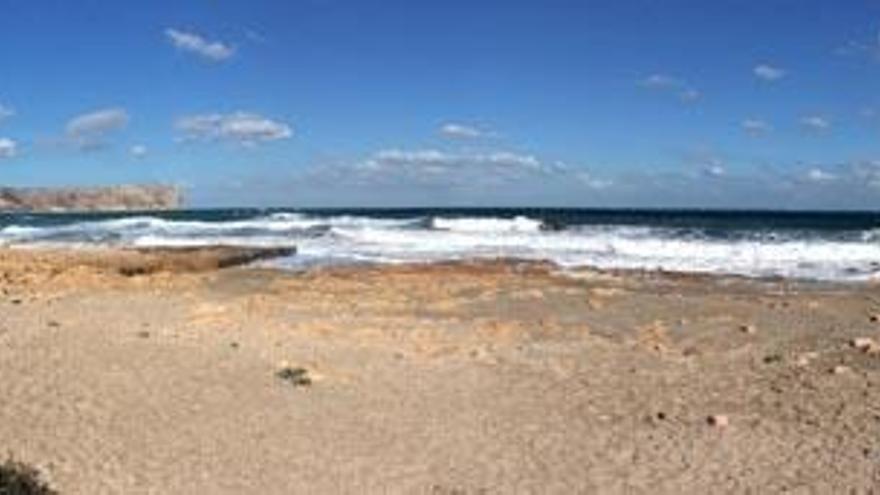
{"x":367,"y":103}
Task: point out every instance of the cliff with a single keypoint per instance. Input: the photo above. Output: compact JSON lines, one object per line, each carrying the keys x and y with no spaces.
{"x":114,"y":198}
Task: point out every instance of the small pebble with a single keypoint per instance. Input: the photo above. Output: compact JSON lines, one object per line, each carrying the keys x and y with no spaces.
{"x":143,"y":334}
{"x":690,"y":351}
{"x":772,"y":358}
{"x":718,"y":421}
{"x":840,"y":369}
{"x":865,"y":344}
{"x":749,"y":329}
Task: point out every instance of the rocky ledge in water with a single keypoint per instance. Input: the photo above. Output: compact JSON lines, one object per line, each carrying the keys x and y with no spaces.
{"x":146,"y":261}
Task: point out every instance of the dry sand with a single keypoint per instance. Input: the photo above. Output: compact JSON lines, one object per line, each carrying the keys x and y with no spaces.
{"x":488,"y":377}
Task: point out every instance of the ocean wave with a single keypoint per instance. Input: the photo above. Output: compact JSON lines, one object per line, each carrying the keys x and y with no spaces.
{"x":488,"y":225}
{"x":334,"y":239}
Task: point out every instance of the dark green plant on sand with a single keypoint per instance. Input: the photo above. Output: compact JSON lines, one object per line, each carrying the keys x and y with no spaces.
{"x":17,"y":478}
{"x":298,"y":377}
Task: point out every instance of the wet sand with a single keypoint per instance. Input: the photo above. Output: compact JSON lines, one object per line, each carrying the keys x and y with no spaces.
{"x":492,"y":377}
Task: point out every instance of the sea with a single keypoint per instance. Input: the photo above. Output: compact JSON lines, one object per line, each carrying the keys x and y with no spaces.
{"x":828,"y":246}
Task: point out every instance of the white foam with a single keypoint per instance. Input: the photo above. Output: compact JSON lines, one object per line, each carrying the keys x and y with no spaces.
{"x":355,"y":239}
{"x":516,"y":224}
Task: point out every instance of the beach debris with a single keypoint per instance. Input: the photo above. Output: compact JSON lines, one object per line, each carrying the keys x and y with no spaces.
{"x":234,"y":345}
{"x":298,"y":377}
{"x":805,"y":358}
{"x":53,"y":324}
{"x":143,"y":334}
{"x":840,"y":369}
{"x":17,"y":478}
{"x":875,"y":317}
{"x":718,"y":421}
{"x":748,"y":329}
{"x":865,"y":344}
{"x":691,"y":351}
{"x":772,"y":358}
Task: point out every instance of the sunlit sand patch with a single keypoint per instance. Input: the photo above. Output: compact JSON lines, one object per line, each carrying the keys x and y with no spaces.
{"x":654,"y":336}
{"x":210,"y":314}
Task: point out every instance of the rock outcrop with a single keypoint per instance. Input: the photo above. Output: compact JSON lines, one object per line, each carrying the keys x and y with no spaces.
{"x":113,"y":198}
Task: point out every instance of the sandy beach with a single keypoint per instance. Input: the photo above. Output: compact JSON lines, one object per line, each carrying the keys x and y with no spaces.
{"x":457,"y":378}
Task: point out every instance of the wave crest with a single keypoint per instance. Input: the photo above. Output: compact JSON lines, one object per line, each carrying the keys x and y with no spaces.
{"x":347,"y":238}
{"x":488,"y":225}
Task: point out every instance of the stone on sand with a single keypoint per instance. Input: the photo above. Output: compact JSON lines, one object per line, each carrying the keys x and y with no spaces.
{"x":840,"y":369}
{"x":749,"y":329}
{"x":718,"y":421}
{"x":865,"y":344}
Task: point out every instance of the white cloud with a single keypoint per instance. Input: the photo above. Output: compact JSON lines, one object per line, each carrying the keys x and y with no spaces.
{"x":89,"y":131}
{"x":756,"y":127}
{"x":816,"y":123}
{"x":819,"y":175}
{"x":138,"y":151}
{"x":255,"y":36}
{"x":704,"y":162}
{"x":690,"y":95}
{"x":5,"y":112}
{"x":434,"y":159}
{"x":768,"y":72}
{"x":588,"y":180}
{"x":669,"y":84}
{"x":97,"y":123}
{"x":240,"y":127}
{"x":8,"y":148}
{"x":460,"y":131}
{"x":871,"y":48}
{"x":661,"y":81}
{"x":715,"y":170}
{"x":867,"y":173}
{"x":215,"y":51}
{"x":431,"y":167}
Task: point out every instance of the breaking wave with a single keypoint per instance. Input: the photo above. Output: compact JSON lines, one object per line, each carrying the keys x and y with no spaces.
{"x":322,"y":239}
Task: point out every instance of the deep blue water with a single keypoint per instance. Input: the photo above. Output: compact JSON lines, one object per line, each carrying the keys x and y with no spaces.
{"x":718,"y":222}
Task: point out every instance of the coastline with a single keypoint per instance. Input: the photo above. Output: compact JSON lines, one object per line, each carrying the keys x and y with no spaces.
{"x":470,"y":377}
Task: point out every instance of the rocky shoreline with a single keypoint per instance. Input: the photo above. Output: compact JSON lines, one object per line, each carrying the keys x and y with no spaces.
{"x":111,"y":198}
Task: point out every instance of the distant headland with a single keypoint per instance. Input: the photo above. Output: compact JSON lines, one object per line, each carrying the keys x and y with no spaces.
{"x":110,"y":198}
